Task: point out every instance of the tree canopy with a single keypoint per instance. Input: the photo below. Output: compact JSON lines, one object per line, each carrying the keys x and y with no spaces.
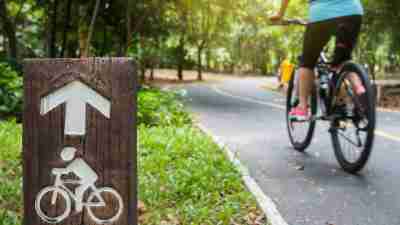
{"x":218,"y":35}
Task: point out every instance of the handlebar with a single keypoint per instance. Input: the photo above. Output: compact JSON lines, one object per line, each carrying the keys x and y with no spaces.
{"x":286,"y":22}
{"x":59,"y":179}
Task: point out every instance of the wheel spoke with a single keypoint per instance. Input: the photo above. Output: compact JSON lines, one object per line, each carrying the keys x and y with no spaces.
{"x":351,"y":141}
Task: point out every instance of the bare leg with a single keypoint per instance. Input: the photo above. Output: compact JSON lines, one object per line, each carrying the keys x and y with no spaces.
{"x":356,"y":83}
{"x":305,"y":86}
{"x":79,"y":191}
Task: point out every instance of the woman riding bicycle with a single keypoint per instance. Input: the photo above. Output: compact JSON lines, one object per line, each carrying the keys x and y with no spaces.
{"x":340,"y":18}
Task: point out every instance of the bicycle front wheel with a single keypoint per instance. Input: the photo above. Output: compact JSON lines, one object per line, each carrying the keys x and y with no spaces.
{"x":352,"y":130}
{"x":300,"y":132}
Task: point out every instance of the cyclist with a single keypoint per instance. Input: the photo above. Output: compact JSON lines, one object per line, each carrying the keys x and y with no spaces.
{"x":327,"y":18}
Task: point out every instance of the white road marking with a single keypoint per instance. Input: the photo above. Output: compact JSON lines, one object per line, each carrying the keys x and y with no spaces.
{"x":377,"y":132}
{"x":248,"y":99}
{"x":387,"y":135}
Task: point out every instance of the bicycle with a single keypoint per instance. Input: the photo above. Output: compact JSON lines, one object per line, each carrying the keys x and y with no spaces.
{"x":60,"y":189}
{"x":356,"y":114}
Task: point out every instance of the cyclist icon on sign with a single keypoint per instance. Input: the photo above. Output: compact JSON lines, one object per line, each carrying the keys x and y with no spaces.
{"x":59,"y":192}
{"x":78,"y":167}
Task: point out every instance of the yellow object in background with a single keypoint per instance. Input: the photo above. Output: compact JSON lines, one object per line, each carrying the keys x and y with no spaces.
{"x":286,"y":71}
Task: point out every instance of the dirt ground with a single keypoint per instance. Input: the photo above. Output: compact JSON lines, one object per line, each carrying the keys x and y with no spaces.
{"x":391,"y":102}
{"x":165,"y":77}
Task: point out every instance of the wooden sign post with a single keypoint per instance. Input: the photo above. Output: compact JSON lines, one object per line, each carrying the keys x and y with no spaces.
{"x":79,"y":141}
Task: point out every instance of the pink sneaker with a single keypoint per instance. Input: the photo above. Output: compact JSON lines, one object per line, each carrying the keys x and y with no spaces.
{"x":359,"y":89}
{"x":299,"y":114}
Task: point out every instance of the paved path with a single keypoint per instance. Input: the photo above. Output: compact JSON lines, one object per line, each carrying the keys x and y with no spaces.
{"x":251,"y":121}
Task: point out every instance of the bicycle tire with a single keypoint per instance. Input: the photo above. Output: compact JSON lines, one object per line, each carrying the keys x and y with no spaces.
{"x":357,"y":165}
{"x":300,"y":145}
{"x":42,"y":214}
{"x":113,"y":218}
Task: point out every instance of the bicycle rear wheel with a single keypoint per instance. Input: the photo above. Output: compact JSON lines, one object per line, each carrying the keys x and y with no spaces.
{"x":112,"y":210}
{"x":352,"y":131}
{"x":300,"y":132}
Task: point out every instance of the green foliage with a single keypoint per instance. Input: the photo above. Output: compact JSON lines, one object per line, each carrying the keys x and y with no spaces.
{"x":10,"y":173}
{"x":160,"y":108}
{"x":10,"y":90}
{"x":185,"y":176}
{"x":180,"y":33}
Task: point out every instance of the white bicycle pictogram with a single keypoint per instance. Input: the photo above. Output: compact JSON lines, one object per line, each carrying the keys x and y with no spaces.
{"x":59,"y":189}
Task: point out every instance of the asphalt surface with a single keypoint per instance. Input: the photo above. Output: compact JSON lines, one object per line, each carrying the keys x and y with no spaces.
{"x":310,"y":188}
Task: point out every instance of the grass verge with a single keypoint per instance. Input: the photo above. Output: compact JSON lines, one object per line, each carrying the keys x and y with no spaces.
{"x":10,"y":174}
{"x":185,"y":179}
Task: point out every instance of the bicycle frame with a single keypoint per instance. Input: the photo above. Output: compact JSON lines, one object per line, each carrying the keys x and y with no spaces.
{"x":79,"y":202}
{"x":323,"y":66}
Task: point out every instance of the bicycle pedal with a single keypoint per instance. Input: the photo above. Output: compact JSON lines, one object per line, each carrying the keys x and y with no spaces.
{"x":300,"y":121}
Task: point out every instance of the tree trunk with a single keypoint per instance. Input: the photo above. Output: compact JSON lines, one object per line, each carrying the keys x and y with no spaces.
{"x":91,"y":28}
{"x":9,"y":29}
{"x":66,"y":28}
{"x":239,"y":47}
{"x":208,"y":59}
{"x":71,"y":49}
{"x":143,"y":72}
{"x":52,"y":35}
{"x":180,"y":72}
{"x":199,"y":64}
{"x":103,"y":48}
{"x":152,"y":71}
{"x":232,"y":67}
{"x":83,"y":31}
{"x":181,"y":58}
{"x":128,"y":26}
{"x":372,"y":69}
{"x":73,"y":41}
{"x":2,"y":46}
{"x":121,"y":45}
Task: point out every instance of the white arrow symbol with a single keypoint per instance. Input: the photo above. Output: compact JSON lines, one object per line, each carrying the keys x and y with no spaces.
{"x":75,"y":95}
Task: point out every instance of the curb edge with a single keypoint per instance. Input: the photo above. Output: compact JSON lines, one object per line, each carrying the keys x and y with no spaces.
{"x":265,"y":203}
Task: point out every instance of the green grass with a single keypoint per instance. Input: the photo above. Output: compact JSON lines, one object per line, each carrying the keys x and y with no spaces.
{"x":185,"y":176}
{"x":10,"y":173}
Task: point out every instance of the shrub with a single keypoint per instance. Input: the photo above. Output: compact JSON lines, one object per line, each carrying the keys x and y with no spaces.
{"x":160,"y":108}
{"x":10,"y":91}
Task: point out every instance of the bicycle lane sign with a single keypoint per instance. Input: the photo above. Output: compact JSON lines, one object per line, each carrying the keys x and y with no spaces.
{"x":79,"y":141}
